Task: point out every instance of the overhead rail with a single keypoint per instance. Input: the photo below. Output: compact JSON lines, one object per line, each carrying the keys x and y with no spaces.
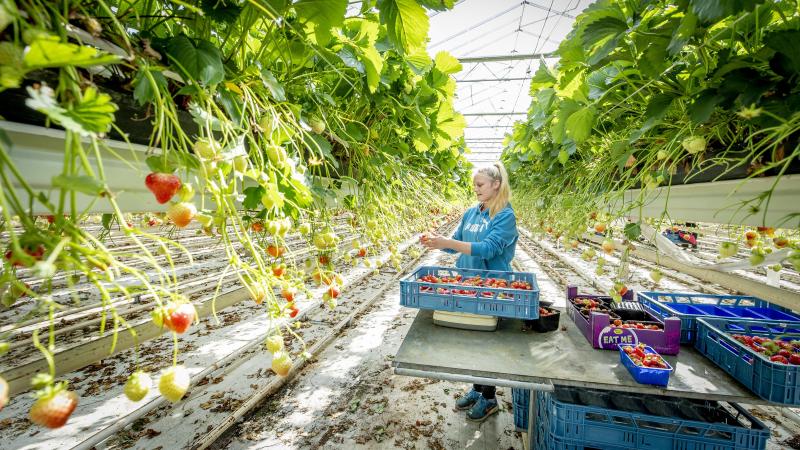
{"x":511,"y":57}
{"x":488,"y":113}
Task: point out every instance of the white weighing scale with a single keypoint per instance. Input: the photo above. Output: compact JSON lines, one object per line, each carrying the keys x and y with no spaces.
{"x":465,"y":321}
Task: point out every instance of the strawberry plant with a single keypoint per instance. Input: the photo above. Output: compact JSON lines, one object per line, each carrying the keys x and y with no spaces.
{"x":259,"y":118}
{"x":653,"y":94}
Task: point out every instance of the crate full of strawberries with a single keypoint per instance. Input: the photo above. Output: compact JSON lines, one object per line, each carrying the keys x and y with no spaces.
{"x":762,"y":355}
{"x":645,"y":364}
{"x":486,"y":292}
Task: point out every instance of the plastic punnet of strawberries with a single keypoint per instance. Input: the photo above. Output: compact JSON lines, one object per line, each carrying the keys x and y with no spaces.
{"x":776,"y":350}
{"x":642,"y":359}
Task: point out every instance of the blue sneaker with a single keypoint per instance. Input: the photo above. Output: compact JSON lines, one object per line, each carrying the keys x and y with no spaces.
{"x":483,"y":408}
{"x":467,"y":400}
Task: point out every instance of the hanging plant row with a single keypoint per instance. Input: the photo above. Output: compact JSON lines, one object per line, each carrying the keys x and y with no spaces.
{"x":263,"y":118}
{"x":653,"y":94}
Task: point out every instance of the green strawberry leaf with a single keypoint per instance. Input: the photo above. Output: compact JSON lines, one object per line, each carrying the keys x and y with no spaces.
{"x":274,"y":86}
{"x":198,"y":59}
{"x":319,"y":16}
{"x":447,"y":63}
{"x":49,"y":52}
{"x":632,"y":231}
{"x":79,"y":183}
{"x":145,"y":92}
{"x":406,"y":22}
{"x":93,"y":114}
{"x":107,"y":219}
{"x":579,"y":124}
{"x":252,"y":197}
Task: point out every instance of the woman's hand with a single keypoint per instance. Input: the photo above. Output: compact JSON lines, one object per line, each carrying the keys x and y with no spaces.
{"x":434,"y":241}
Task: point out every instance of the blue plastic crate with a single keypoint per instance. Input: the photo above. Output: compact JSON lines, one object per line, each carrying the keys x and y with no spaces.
{"x":645,"y":375}
{"x":689,"y":307}
{"x":504,"y":302}
{"x":776,"y":382}
{"x":520,"y":400}
{"x":564,"y":425}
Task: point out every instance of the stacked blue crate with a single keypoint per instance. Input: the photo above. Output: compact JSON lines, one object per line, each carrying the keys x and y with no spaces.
{"x":575,"y":419}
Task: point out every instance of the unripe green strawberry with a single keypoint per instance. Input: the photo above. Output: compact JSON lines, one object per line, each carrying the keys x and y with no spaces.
{"x":656,"y":275}
{"x":694,"y":144}
{"x":137,"y":386}
{"x":281,"y":363}
{"x":186,"y":192}
{"x":240,"y":163}
{"x":756,"y":256}
{"x":728,"y":249}
{"x":276,"y":155}
{"x":317,"y":124}
{"x":205,"y":149}
{"x":794,"y":260}
{"x":662,"y":154}
{"x":174,"y":383}
{"x":275,"y":343}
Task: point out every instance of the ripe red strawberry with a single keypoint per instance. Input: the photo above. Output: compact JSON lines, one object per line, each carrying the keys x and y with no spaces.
{"x":181,"y":318}
{"x":257,"y":227}
{"x":333,"y":291}
{"x":174,"y":383}
{"x":36,"y":253}
{"x":795,"y":359}
{"x":779,"y":359}
{"x":278,"y":270}
{"x":323,"y":259}
{"x":288,"y":293}
{"x":182,"y":213}
{"x":362,"y":252}
{"x":785,"y":353}
{"x":293,"y":310}
{"x":137,"y":386}
{"x":3,"y":393}
{"x":53,"y":408}
{"x":162,"y":185}
{"x":275,"y":251}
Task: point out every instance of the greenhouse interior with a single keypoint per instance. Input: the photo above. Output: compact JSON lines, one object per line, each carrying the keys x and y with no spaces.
{"x":400,"y":224}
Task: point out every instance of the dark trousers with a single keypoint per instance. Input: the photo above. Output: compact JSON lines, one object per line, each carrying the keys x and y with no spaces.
{"x":486,"y":391}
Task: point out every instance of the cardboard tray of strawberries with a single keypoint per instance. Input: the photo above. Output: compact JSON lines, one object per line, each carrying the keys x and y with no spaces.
{"x":645,"y":364}
{"x":486,"y":292}
{"x":606,"y":325}
{"x":764,"y":356}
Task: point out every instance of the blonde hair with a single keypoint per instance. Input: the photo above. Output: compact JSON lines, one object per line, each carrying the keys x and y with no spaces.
{"x":496,"y":172}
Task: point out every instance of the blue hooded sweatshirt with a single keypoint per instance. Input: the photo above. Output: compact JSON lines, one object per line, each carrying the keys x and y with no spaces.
{"x":493,"y":240}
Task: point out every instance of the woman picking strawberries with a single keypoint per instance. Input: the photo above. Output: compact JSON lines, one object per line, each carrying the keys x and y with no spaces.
{"x":486,"y":238}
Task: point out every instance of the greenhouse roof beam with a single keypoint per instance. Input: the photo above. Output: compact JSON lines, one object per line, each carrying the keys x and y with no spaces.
{"x":511,"y":57}
{"x":481,"y":80}
{"x":490,"y":113}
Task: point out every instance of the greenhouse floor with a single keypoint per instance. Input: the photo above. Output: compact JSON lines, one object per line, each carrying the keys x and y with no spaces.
{"x":348,"y":396}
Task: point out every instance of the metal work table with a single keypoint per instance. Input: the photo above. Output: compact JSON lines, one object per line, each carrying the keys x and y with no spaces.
{"x":509,"y":357}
